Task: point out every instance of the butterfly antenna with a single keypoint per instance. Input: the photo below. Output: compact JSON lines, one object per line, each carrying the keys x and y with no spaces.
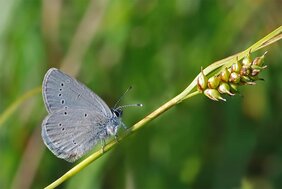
{"x":130,"y":105}
{"x":129,"y":88}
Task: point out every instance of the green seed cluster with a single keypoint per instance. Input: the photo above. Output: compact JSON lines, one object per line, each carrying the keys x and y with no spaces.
{"x":227,"y":81}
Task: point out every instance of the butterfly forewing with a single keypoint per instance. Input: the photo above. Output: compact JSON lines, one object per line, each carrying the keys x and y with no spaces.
{"x":62,"y":91}
{"x":71,"y":133}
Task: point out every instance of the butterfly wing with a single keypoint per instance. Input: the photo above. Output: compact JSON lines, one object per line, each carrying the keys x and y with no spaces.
{"x":70,"y":133}
{"x":61,"y":90}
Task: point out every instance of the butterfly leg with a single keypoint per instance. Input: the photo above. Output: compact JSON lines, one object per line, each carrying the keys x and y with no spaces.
{"x":116,"y":138}
{"x":123,"y":125}
{"x":103,"y":142}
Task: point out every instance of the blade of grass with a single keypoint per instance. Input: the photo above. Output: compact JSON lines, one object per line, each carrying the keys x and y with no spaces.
{"x":14,"y":106}
{"x":83,"y":36}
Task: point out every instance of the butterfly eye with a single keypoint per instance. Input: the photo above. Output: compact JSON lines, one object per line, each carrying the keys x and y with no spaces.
{"x":117,"y":112}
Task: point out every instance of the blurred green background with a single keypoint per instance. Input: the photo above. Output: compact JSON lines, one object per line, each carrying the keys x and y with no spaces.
{"x":157,"y":47}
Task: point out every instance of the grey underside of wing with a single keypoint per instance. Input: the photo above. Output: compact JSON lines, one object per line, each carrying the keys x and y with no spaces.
{"x":61,"y":91}
{"x":71,"y":133}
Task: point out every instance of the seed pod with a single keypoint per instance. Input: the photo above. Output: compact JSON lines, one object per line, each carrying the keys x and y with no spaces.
{"x":234,"y":77}
{"x":259,"y":67}
{"x":213,"y":94}
{"x":236,"y":67}
{"x":224,"y":75}
{"x":245,"y":80}
{"x":255,"y":72}
{"x":234,"y":87}
{"x":213,"y":82}
{"x":245,"y":70}
{"x":247,"y":60}
{"x":256,"y":78}
{"x":225,"y":88}
{"x":202,"y":81}
{"x":259,"y":60}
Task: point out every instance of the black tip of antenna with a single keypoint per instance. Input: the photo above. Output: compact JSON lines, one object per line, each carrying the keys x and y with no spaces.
{"x":130,"y":87}
{"x":139,"y":105}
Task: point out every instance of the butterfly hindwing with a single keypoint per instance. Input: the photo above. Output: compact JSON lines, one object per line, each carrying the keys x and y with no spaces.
{"x":70,"y":133}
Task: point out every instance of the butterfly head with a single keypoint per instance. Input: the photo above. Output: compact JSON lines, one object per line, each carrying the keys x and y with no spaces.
{"x":115,"y":121}
{"x":117,"y":112}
